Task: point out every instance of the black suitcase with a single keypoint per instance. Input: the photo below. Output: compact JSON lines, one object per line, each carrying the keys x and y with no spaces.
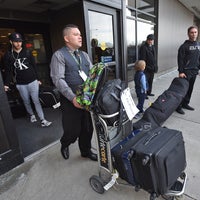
{"x":49,"y":97}
{"x":108,"y":102}
{"x":158,"y":159}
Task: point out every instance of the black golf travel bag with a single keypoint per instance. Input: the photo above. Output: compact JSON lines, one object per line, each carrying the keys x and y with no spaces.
{"x":164,"y":105}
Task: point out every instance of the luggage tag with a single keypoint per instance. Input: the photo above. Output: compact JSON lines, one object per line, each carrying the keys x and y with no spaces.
{"x":128,"y":103}
{"x":82,"y":74}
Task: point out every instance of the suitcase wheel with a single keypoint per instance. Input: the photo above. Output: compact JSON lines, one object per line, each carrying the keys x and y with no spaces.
{"x":137,"y":188}
{"x":168,"y":197}
{"x":153,"y":196}
{"x":97,"y":184}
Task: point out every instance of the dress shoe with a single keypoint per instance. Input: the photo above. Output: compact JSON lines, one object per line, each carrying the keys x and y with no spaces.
{"x":151,"y":95}
{"x":90,"y":155}
{"x":65,"y":152}
{"x":180,"y":111}
{"x":188,"y":107}
{"x":146,"y":97}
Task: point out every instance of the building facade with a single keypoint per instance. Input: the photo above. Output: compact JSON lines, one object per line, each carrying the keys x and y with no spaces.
{"x":112,"y":32}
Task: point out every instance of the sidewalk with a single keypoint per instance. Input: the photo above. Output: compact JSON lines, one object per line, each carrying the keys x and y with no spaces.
{"x":47,"y":176}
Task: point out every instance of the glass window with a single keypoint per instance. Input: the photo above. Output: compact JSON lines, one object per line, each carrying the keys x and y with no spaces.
{"x":146,"y":6}
{"x":130,"y":13}
{"x":101,"y":37}
{"x":143,"y":29}
{"x":35,"y":43}
{"x":131,"y":44}
{"x":147,"y":18}
{"x":131,"y":3}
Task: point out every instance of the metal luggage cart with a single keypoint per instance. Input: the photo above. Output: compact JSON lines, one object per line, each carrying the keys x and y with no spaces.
{"x":106,"y":138}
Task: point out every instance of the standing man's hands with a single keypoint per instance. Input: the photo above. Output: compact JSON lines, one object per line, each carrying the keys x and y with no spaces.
{"x":6,"y":88}
{"x":75,"y":103}
{"x":182,"y":75}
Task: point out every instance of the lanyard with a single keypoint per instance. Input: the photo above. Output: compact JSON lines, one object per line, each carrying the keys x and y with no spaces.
{"x":77,"y":58}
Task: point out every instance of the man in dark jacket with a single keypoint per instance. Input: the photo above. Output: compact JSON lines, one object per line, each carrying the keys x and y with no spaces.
{"x":147,"y":53}
{"x":189,"y":64}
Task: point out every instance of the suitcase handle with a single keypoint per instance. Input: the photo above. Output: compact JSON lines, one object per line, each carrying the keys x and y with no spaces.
{"x":146,"y":142}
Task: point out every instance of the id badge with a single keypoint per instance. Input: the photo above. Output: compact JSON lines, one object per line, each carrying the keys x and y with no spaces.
{"x":82,"y":75}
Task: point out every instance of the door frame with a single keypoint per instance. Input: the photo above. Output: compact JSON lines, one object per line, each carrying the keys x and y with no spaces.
{"x":10,"y":155}
{"x":88,"y":6}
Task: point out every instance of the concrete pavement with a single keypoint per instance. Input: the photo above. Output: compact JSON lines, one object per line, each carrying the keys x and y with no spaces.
{"x":47,"y":176}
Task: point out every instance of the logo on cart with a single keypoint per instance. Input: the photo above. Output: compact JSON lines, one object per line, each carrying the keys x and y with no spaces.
{"x":102,"y":147}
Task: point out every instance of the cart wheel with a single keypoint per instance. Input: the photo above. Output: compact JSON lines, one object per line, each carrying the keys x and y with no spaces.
{"x":97,"y":184}
{"x":181,"y":197}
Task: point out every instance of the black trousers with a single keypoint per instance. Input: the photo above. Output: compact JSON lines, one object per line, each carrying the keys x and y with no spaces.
{"x":187,"y":97}
{"x":149,"y":77}
{"x":77,"y":124}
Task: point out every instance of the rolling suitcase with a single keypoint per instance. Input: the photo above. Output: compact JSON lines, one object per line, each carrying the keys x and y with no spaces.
{"x":121,"y":154}
{"x":158,"y":160}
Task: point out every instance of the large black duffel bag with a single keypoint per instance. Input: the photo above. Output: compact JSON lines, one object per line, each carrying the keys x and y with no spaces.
{"x":164,"y":105}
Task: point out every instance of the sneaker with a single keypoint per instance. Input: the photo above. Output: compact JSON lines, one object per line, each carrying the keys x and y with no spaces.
{"x":33,"y":118}
{"x":45,"y":123}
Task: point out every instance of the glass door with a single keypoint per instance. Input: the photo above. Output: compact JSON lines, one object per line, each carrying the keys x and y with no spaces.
{"x":102,"y":37}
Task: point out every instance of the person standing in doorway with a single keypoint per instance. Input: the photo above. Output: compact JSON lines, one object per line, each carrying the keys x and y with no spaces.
{"x":20,"y":67}
{"x":147,"y":52}
{"x":69,"y":69}
{"x":189,"y":65}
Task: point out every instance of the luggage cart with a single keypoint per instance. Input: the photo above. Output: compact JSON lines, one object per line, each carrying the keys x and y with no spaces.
{"x":106,"y":138}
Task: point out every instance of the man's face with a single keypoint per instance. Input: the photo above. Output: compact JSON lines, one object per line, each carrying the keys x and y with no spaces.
{"x":150,"y":42}
{"x":193,"y":33}
{"x":16,"y":45}
{"x":73,"y":38}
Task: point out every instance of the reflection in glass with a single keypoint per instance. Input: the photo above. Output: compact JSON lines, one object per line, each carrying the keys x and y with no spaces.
{"x":101,"y":37}
{"x":131,"y":46}
{"x":130,"y":13}
{"x":35,"y":43}
{"x":131,"y":3}
{"x":147,"y":18}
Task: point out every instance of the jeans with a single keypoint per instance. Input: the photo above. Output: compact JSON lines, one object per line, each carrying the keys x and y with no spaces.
{"x":141,"y":98}
{"x":31,"y":90}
